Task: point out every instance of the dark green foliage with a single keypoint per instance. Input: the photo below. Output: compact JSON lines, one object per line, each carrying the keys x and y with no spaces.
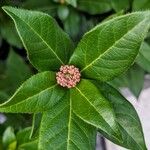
{"x":113,"y":51}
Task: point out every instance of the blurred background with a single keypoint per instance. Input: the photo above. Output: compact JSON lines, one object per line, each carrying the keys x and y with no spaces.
{"x":75,"y":17}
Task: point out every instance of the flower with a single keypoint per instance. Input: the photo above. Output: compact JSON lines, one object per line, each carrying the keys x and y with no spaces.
{"x":68,"y":76}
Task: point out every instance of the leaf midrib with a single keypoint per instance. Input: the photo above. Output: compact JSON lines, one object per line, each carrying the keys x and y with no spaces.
{"x":3,"y":105}
{"x":131,"y":136}
{"x":116,"y":42}
{"x":82,"y":94}
{"x":34,"y":32}
{"x":69,"y":123}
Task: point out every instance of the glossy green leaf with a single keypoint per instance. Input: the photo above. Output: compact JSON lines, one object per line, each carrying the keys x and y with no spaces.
{"x":37,"y":94}
{"x":119,"y":5}
{"x":70,"y":117}
{"x":9,"y":139}
{"x":62,"y":129}
{"x":94,"y":6}
{"x":111,"y":47}
{"x":47,"y":45}
{"x":143,"y":58}
{"x":141,"y":4}
{"x":89,"y":104}
{"x":126,"y":116}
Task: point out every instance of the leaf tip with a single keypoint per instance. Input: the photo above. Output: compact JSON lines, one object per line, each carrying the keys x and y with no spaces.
{"x":6,"y":8}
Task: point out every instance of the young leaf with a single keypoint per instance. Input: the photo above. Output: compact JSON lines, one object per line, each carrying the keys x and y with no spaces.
{"x":94,"y":6}
{"x":127,"y":118}
{"x":111,"y":47}
{"x":143,"y":58}
{"x":37,"y":94}
{"x":62,"y":129}
{"x":93,"y":108}
{"x":47,"y":45}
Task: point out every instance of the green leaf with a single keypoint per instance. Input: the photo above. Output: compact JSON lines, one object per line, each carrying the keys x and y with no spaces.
{"x":119,"y":5}
{"x":33,"y":145}
{"x":143,"y":58}
{"x":127,"y":118}
{"x":47,"y":45}
{"x":2,"y":67}
{"x":24,"y":141}
{"x":72,"y":24}
{"x":94,"y":6}
{"x":91,"y":106}
{"x":121,"y":81}
{"x":72,"y":2}
{"x":63,"y":12}
{"x":62,"y":129}
{"x":46,"y":6}
{"x":21,"y":71}
{"x":23,"y":136}
{"x":3,"y":97}
{"x":141,"y":5}
{"x":36,"y":125}
{"x":37,"y":94}
{"x":14,"y":74}
{"x":9,"y":33}
{"x":110,"y":48}
{"x":9,"y":139}
{"x":136,"y":80}
{"x":133,"y":79}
